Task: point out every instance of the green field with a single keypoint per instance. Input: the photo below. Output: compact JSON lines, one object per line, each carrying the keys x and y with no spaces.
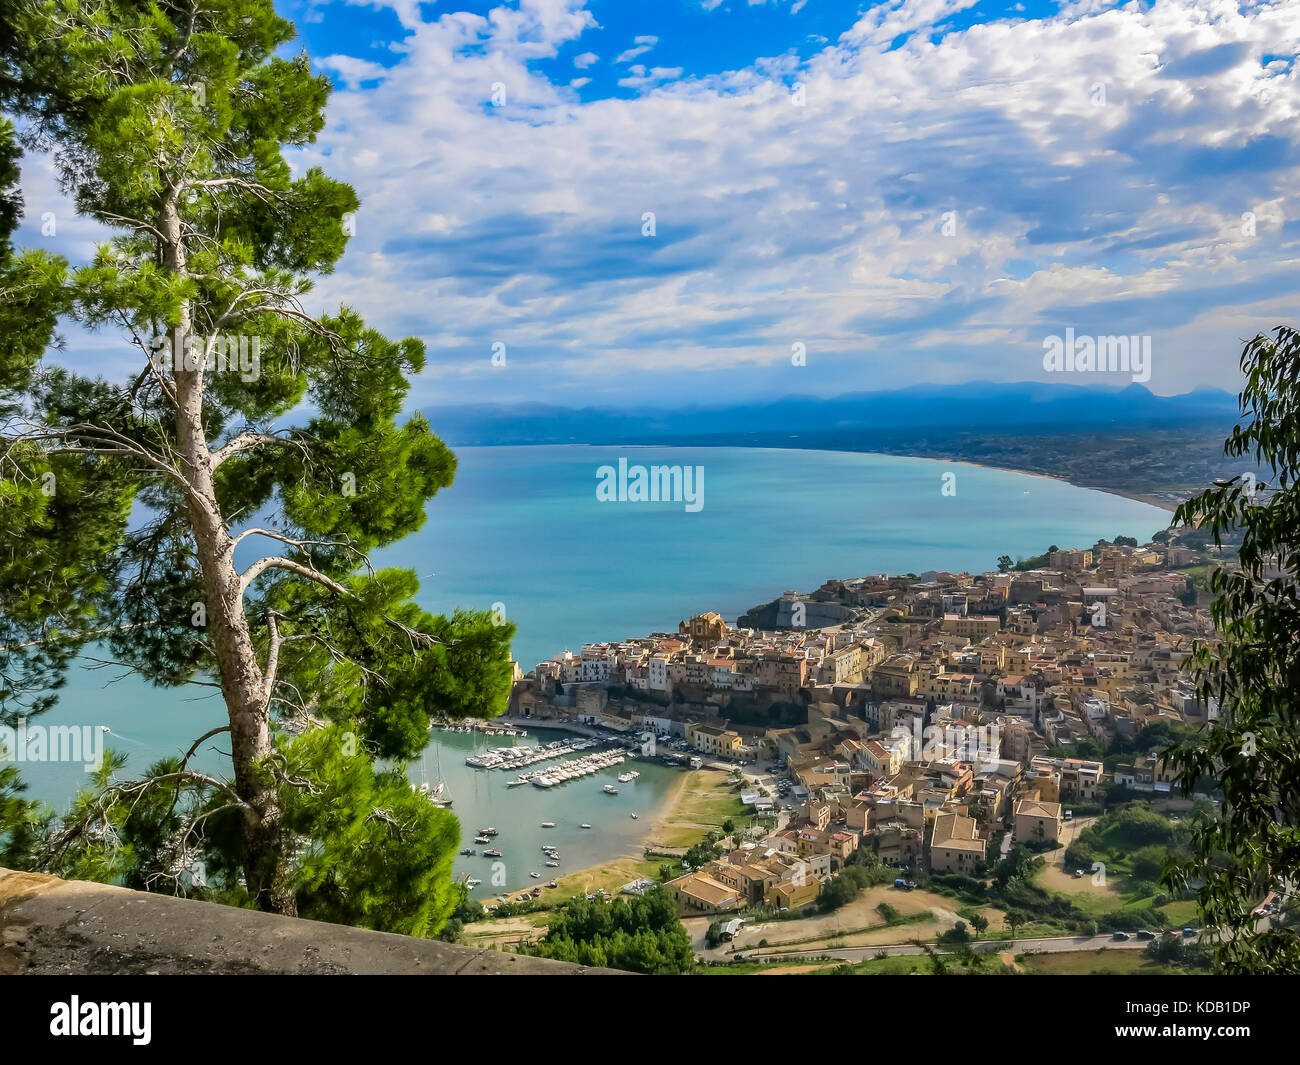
{"x":1095,"y":962}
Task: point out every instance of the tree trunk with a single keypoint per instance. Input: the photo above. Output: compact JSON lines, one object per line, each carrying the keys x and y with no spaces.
{"x":266,"y":868}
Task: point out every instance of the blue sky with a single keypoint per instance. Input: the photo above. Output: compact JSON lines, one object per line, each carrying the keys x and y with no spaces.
{"x":921,"y":190}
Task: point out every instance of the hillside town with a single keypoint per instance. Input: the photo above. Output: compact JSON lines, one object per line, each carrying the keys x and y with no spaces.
{"x":923,"y":717}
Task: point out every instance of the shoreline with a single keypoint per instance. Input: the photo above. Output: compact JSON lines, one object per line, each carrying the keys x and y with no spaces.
{"x":1123,"y":493}
{"x":589,"y":877}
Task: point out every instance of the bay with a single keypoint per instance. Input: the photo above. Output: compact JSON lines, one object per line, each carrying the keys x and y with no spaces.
{"x":522,"y":530}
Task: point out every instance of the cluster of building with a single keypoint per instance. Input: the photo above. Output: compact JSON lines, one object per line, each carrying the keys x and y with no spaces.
{"x":916,"y":716}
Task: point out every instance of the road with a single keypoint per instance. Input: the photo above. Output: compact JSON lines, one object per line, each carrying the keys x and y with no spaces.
{"x":1054,"y":945}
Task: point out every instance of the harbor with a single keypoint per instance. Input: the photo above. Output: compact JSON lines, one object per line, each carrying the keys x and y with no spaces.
{"x":580,"y":823}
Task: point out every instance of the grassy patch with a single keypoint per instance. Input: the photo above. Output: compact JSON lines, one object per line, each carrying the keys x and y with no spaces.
{"x":1095,"y":962}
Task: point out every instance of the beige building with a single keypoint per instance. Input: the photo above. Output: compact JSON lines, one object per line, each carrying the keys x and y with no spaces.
{"x":704,"y":628}
{"x":955,"y":846}
{"x":1037,"y":821}
{"x":698,"y":893}
{"x":714,"y":739}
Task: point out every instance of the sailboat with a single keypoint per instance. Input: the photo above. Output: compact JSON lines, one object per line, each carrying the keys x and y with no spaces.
{"x":440,"y":796}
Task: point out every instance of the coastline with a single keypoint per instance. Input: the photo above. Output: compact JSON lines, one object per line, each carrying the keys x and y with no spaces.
{"x":1139,"y":497}
{"x":1123,"y":493}
{"x":618,"y":869}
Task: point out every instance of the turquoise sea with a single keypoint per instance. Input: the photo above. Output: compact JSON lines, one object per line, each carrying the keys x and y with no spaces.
{"x":522,"y":527}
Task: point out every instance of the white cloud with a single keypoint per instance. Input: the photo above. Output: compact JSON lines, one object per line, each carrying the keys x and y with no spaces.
{"x":822,"y":223}
{"x":642,"y":45}
{"x":582,"y":62}
{"x":352,"y":72}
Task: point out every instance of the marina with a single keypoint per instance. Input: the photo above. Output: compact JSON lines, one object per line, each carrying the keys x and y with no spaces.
{"x":519,"y":757}
{"x":489,"y":800}
{"x":579,"y":767}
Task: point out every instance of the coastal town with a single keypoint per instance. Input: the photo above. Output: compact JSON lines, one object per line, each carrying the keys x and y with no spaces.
{"x":931,"y":721}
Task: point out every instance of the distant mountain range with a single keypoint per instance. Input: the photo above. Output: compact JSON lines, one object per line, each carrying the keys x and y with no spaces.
{"x":1027,"y":407}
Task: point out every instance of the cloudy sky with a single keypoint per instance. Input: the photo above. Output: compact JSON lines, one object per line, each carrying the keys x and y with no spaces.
{"x":914,"y":191}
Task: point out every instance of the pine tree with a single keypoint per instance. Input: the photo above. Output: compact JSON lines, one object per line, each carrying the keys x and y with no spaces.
{"x":1250,"y":846}
{"x":168,"y":122}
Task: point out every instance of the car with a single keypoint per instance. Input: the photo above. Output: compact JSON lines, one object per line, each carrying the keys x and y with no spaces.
{"x":1144,"y":934}
{"x":1069,"y":815}
{"x":1078,"y":874}
{"x":1119,"y":936}
{"x":1189,"y":932}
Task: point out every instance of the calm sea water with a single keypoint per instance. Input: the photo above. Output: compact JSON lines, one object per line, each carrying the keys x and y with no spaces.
{"x":522,"y":527}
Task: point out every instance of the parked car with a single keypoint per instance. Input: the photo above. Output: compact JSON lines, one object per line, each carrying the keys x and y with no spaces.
{"x":1078,"y":873}
{"x":1189,"y":932}
{"x":1069,"y":815}
{"x":1144,"y":934}
{"x":1119,"y":936}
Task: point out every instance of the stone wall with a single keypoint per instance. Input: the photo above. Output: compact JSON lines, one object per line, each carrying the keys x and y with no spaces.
{"x":48,"y":925}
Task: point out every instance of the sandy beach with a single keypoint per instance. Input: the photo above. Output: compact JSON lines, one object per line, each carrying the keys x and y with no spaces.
{"x":697,"y":803}
{"x":1140,"y":497}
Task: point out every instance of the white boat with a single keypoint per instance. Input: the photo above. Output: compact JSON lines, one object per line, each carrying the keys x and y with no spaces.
{"x":535,"y":874}
{"x":553,"y":865}
{"x":472,"y":882}
{"x":548,"y":824}
{"x":634,"y":817}
{"x":584,"y":825}
{"x":609,"y":789}
{"x":625,"y":778}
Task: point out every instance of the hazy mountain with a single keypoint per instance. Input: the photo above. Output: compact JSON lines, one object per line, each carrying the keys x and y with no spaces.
{"x":1025,"y":406}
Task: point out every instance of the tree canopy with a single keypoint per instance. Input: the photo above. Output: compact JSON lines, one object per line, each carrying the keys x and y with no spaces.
{"x":1250,"y":845}
{"x":250,"y":424}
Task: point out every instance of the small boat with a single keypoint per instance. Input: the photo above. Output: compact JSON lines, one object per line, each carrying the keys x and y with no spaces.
{"x":609,"y":789}
{"x":481,"y":839}
{"x":489,"y":831}
{"x":584,"y":825}
{"x":468,"y":851}
{"x":493,"y":853}
{"x":634,"y":817}
{"x":553,"y":865}
{"x":553,"y":883}
{"x":472,"y":882}
{"x":625,"y":778}
{"x":535,"y":874}
{"x":548,"y":824}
